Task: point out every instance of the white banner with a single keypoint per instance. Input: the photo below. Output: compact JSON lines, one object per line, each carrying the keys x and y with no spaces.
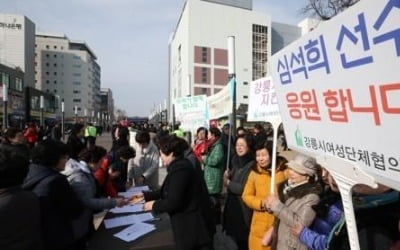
{"x":220,"y":104}
{"x":339,"y":88}
{"x":263,"y":102}
{"x":191,"y":112}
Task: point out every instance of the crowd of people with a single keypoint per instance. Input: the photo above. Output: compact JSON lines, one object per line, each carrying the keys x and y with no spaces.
{"x":221,"y":180}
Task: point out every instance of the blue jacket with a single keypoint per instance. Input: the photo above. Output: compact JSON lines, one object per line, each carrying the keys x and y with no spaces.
{"x":316,"y":237}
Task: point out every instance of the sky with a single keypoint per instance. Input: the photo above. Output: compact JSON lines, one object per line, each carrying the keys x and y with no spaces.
{"x":129,"y":38}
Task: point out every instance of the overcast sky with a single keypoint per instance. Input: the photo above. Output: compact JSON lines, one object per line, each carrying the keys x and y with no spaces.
{"x":129,"y":37}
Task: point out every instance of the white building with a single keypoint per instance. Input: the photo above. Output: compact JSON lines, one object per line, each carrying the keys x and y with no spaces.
{"x":69,"y":70}
{"x":17,"y":44}
{"x":283,"y":34}
{"x":198,"y":48}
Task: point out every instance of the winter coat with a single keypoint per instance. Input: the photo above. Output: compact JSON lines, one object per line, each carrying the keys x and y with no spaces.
{"x":22,"y":149}
{"x":329,"y":214}
{"x":213,"y":168}
{"x":146,"y":164}
{"x":184,"y":197}
{"x":84,"y":185}
{"x":295,"y":207}
{"x":20,"y":220}
{"x":104,"y":182}
{"x":258,"y":187}
{"x":237,"y":215}
{"x":58,"y":203}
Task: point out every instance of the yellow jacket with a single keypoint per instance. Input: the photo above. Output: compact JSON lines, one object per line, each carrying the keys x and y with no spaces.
{"x":256,"y":189}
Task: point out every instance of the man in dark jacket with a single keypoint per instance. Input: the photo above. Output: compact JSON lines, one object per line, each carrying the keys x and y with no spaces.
{"x":19,"y":209}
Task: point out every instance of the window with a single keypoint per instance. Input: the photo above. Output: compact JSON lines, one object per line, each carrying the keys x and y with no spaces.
{"x":77,"y":83}
{"x":47,"y":55}
{"x":55,"y":73}
{"x":204,"y":54}
{"x":55,"y":65}
{"x":47,"y":47}
{"x":55,"y":56}
{"x":55,"y":82}
{"x":47,"y":90}
{"x":204,"y":91}
{"x":76,"y":100}
{"x":55,"y":47}
{"x":47,"y":73}
{"x":245,"y":83}
{"x":47,"y":81}
{"x":204,"y":75}
{"x":62,"y":47}
{"x":77,"y":74}
{"x":76,"y":91}
{"x":55,"y":91}
{"x":245,"y":97}
{"x":47,"y":64}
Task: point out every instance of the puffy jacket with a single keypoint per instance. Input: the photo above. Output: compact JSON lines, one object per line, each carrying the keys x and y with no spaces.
{"x":257,"y":188}
{"x":213,"y":168}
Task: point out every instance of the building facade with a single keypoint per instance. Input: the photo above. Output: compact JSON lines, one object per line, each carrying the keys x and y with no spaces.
{"x":17,"y":44}
{"x":198,"y":56}
{"x":13,"y":78}
{"x":106,"y":105}
{"x":68,"y":69}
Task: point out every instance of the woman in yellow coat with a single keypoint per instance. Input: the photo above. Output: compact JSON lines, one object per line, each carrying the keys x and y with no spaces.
{"x":257,"y":188}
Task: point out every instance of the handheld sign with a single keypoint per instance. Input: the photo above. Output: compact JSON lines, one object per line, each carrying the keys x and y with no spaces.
{"x":339,"y":94}
{"x":263,"y":106}
{"x":191,"y":111}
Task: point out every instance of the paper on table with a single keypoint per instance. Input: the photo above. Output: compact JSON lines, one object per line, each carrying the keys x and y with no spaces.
{"x":130,"y":208}
{"x":133,"y":190}
{"x":127,"y":220}
{"x":135,"y":231}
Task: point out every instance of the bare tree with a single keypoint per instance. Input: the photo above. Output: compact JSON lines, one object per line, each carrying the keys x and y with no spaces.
{"x":326,"y":9}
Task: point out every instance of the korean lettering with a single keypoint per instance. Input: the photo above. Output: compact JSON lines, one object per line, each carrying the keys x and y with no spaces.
{"x":330,"y":148}
{"x":307,"y":142}
{"x":336,"y":105}
{"x":393,"y":34}
{"x":297,"y":63}
{"x":257,"y":88}
{"x":285,"y":75}
{"x":293,"y":105}
{"x":314,"y":144}
{"x":363,"y":156}
{"x":345,"y":32}
{"x":321,"y":145}
{"x":384,"y":89}
{"x":351,"y":153}
{"x":372,"y":109}
{"x":394,"y":163}
{"x":378,"y":160}
{"x":340,"y":151}
{"x":310,"y":105}
{"x":267,"y":86}
{"x":316,"y":54}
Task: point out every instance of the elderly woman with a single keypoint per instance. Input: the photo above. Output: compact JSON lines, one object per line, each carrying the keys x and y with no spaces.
{"x":184,"y":197}
{"x":297,"y":196}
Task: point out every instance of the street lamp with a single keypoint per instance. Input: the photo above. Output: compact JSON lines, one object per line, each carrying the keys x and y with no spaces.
{"x":41,"y":111}
{"x":85,"y":116}
{"x":76,"y":114}
{"x":5,"y":102}
{"x":62,"y":119}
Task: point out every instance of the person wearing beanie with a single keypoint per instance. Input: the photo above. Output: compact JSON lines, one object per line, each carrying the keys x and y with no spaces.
{"x":293,"y":204}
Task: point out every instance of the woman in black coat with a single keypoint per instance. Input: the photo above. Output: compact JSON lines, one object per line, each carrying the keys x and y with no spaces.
{"x":184,"y":197}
